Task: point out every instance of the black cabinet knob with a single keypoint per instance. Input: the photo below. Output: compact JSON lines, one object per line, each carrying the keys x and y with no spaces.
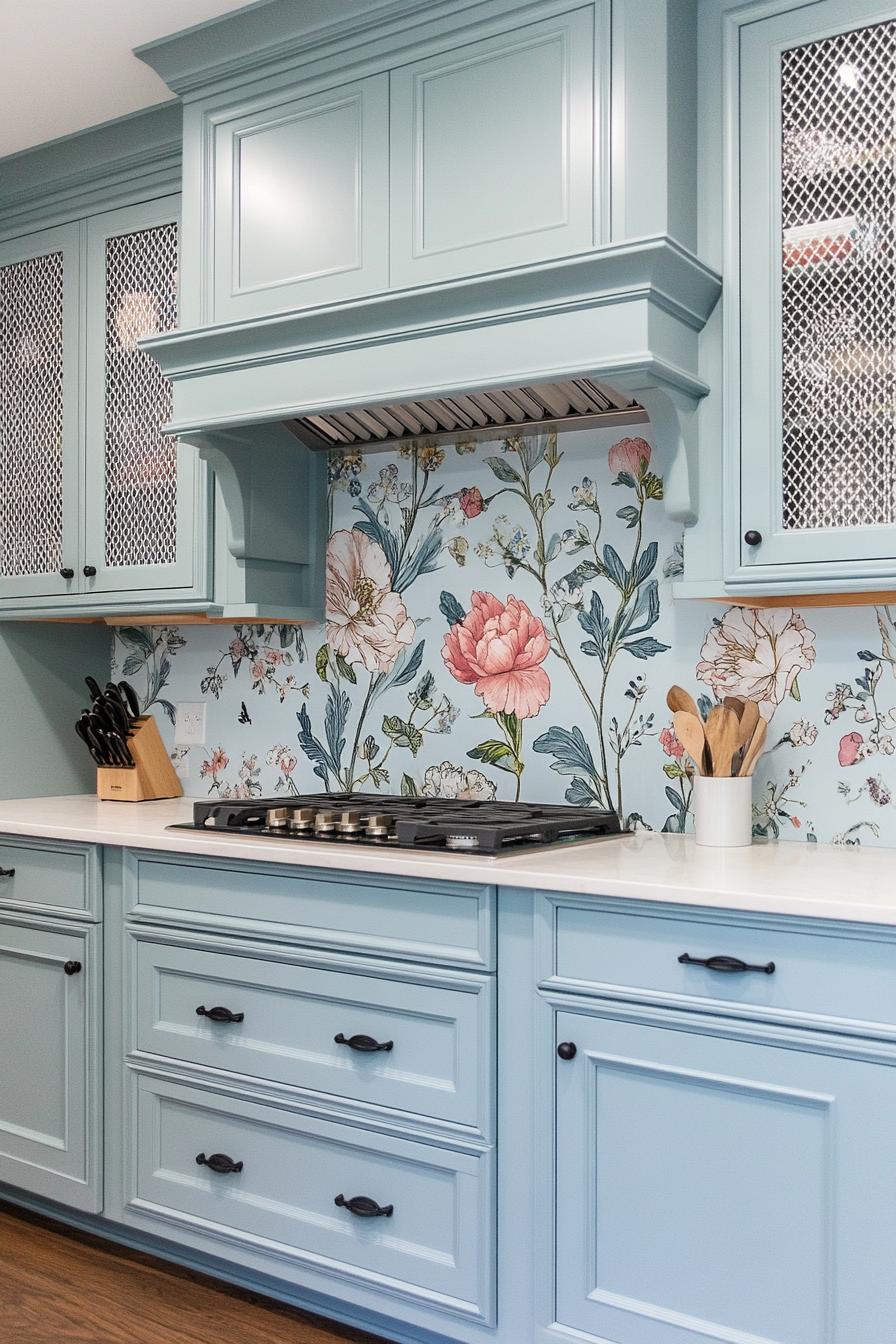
{"x":219,"y":1163}
{"x":72,"y":967}
{"x":752,"y":538}
{"x":362,"y":1207}
{"x":7,"y":872}
{"x":219,"y":1014}
{"x":567,"y":1049}
{"x":66,"y":573}
{"x":90,"y":571}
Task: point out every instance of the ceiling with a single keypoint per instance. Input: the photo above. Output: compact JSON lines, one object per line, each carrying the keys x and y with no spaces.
{"x":67,"y":64}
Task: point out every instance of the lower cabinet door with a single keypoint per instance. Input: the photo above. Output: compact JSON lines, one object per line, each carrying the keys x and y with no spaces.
{"x":308,"y":1194}
{"x":711,"y":1189}
{"x":50,"y":1063}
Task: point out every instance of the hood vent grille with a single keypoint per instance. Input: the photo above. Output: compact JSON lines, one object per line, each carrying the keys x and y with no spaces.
{"x":498,"y":413}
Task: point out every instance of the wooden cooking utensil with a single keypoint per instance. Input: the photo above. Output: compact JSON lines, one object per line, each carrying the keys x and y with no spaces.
{"x":722,"y":730}
{"x":735,"y":703}
{"x":689,"y":731}
{"x":752,"y":753}
{"x":748,"y":722}
{"x":677,"y":698}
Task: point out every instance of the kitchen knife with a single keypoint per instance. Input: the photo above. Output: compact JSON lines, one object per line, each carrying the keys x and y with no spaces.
{"x":130,"y":698}
{"x":116,"y":750}
{"x":93,"y":687}
{"x":116,"y":714}
{"x":86,"y":736}
{"x":91,"y":733}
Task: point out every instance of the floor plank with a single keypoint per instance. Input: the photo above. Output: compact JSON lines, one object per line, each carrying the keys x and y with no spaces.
{"x":60,"y":1286}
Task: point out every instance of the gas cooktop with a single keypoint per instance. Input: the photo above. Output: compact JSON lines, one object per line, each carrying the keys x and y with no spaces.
{"x":452,"y":824}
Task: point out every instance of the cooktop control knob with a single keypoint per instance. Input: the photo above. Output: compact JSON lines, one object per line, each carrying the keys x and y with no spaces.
{"x":301,"y":819}
{"x":325,"y":822}
{"x":378,"y":825}
{"x":350,"y":823}
{"x":276,"y":818}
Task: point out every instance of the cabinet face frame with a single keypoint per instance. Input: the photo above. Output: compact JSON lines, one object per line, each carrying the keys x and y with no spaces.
{"x":66,"y":239}
{"x":180,"y":573}
{"x":838,"y":558}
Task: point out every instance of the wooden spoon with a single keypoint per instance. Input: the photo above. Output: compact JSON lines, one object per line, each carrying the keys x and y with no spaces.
{"x":689,"y":731}
{"x":722,"y":731}
{"x":751,"y":755}
{"x":677,"y":699}
{"x":748,"y":722}
{"x":735,"y":703}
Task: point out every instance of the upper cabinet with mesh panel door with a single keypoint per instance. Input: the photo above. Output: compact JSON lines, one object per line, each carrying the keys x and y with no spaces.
{"x":808,"y":251}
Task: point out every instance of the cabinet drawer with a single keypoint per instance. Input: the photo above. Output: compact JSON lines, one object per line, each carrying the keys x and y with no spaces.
{"x":51,"y":876}
{"x":450,"y":923}
{"x":843,"y":977}
{"x":437,"y":1245}
{"x":439,"y":1064}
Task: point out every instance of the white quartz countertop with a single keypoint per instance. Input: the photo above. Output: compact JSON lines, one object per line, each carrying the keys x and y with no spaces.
{"x":818,"y":881}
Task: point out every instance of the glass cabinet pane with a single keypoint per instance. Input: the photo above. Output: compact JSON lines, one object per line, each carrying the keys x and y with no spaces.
{"x":31,"y":416}
{"x":838,"y":284}
{"x":140,"y":462}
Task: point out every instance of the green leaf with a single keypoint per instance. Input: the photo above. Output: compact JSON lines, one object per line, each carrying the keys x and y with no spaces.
{"x":403,"y":733}
{"x":409,"y":787}
{"x":629,"y":515}
{"x":672,"y":770}
{"x":493,"y":753}
{"x":504,"y":471}
{"x":346,"y":670}
{"x":795,"y":689}
{"x":514,"y":730}
{"x":322,"y":661}
{"x":652,"y":486}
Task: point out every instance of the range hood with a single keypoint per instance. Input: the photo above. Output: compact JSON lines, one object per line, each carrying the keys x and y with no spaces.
{"x":610,"y":336}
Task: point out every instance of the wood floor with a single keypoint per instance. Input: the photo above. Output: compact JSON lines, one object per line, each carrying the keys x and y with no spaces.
{"x":58,"y":1286}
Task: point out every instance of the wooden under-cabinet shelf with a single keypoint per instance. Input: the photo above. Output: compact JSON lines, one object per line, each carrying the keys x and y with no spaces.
{"x":884,"y":598}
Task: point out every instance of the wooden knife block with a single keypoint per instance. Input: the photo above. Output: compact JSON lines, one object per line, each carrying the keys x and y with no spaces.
{"x":152,"y":774}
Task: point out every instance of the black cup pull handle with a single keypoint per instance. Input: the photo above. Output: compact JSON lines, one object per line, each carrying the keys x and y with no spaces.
{"x":728,"y":965}
{"x":219,"y":1163}
{"x":7,"y":872}
{"x":219,"y":1014}
{"x":365,"y":1045}
{"x":362,"y":1207}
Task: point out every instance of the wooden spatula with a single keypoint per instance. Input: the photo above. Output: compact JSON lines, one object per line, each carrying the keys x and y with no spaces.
{"x":677,"y":698}
{"x":722,"y":731}
{"x":689,"y":731}
{"x":753,"y":751}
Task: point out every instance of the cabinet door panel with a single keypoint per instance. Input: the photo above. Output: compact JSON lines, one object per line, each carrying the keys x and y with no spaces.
{"x":716,"y":1190}
{"x":50,"y":1067}
{"x":39,"y":413}
{"x":301,"y":201}
{"x":817,"y":237}
{"x":139,"y":485}
{"x":493,"y":152}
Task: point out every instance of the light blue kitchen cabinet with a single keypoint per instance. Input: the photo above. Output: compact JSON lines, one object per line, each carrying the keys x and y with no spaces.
{"x":301,"y":200}
{"x":142,"y":493}
{"x":720,"y":1187}
{"x":40,"y":411}
{"x":51,"y":1060}
{"x":797,"y":176}
{"x":493,"y":151}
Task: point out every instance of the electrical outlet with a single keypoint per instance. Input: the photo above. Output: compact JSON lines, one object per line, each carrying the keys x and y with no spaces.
{"x":189,"y":725}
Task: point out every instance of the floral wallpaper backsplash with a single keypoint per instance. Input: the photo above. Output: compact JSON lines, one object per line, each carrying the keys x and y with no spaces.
{"x":500,"y":624}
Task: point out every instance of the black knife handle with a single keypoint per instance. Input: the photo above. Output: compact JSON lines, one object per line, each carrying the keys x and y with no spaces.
{"x":93,"y":687}
{"x":219,"y":1163}
{"x":129,"y":695}
{"x":219,"y":1014}
{"x":727,"y":965}
{"x":362,"y":1207}
{"x":365,"y":1045}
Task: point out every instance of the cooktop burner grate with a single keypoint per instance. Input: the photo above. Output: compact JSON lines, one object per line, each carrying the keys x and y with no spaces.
{"x":454,"y":825}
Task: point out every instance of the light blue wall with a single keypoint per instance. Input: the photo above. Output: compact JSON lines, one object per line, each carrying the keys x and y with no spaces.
{"x":828,"y":774}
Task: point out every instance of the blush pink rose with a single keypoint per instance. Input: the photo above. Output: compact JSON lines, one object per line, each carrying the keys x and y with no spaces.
{"x":850,"y":749}
{"x":630,"y":455}
{"x":670,"y":744}
{"x":498,"y":648}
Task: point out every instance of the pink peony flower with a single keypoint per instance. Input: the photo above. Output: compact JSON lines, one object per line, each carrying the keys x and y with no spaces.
{"x":471,"y":501}
{"x":217,"y":763}
{"x":498,"y":647}
{"x":758,"y":654}
{"x":670,"y":743}
{"x":366,"y":622}
{"x":851,"y":749}
{"x":631,"y":456}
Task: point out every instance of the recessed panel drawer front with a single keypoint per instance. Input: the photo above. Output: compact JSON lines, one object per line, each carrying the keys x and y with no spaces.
{"x":842,"y":977}
{"x":436,"y":1244}
{"x":49,"y":875}
{"x":447,"y":923}
{"x":418,"y":1048}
